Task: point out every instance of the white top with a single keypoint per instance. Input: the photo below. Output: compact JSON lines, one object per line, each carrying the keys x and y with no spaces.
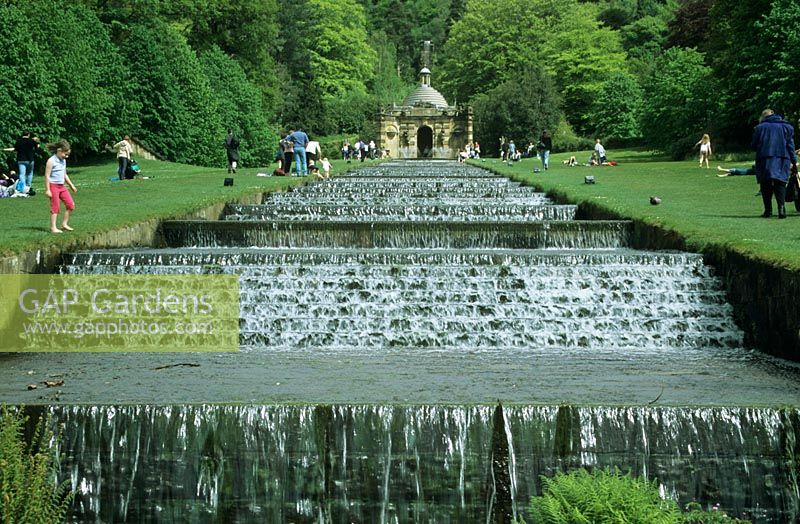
{"x":313,"y":147}
{"x":124,"y":148}
{"x":601,"y":151}
{"x":58,"y":170}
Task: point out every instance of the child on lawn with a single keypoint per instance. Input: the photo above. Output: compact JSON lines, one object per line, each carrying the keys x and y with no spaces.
{"x":55,"y":176}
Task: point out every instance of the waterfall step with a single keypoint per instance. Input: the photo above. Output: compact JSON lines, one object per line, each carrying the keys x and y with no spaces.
{"x":366,"y":212}
{"x":398,"y":198}
{"x":419,"y":463}
{"x":425,"y":190}
{"x":445,"y":170}
{"x":221,"y":259}
{"x":598,"y":234}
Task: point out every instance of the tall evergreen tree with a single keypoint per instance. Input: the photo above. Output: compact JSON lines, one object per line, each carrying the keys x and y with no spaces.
{"x":240,"y":107}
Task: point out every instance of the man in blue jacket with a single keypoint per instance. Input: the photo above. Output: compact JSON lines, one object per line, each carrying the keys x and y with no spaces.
{"x":773,"y":141}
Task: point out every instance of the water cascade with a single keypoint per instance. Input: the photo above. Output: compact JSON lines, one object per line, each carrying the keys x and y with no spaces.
{"x":348,"y":463}
{"x":439,"y":264}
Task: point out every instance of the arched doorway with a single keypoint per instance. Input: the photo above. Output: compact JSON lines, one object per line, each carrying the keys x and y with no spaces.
{"x":424,"y":142}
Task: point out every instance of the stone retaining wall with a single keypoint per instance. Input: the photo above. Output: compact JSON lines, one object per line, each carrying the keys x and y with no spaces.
{"x":765,"y":297}
{"x":142,"y":234}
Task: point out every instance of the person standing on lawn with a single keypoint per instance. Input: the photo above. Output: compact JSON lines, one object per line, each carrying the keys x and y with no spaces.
{"x":25,"y":148}
{"x":545,"y":145}
{"x":55,"y":177}
{"x":123,"y":148}
{"x":773,"y":142}
{"x":300,"y":141}
{"x":232,"y":150}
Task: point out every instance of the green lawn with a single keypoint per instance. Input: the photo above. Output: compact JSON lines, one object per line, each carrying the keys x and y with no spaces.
{"x":705,"y":209}
{"x":172,"y":190}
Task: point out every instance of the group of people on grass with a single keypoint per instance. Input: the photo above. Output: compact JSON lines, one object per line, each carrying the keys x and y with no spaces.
{"x":773,"y":142}
{"x":297,"y":147}
{"x":471,"y":150}
{"x":360,"y":151}
{"x":294,"y":146}
{"x":541,"y":150}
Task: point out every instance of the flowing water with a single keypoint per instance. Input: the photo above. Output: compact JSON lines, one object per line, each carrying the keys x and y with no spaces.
{"x":383,"y":313}
{"x":349,"y":463}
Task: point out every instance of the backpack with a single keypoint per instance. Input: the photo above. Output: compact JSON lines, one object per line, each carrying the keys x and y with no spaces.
{"x":132,"y":170}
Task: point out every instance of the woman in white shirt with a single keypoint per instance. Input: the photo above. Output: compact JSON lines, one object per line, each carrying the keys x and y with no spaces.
{"x":123,"y":148}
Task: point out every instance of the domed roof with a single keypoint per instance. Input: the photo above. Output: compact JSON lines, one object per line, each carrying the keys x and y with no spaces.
{"x":424,"y":95}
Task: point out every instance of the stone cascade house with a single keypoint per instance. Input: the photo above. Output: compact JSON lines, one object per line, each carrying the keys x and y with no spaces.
{"x":425,"y":125}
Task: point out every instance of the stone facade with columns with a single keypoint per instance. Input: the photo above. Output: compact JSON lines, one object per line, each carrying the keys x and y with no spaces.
{"x":425,"y":125}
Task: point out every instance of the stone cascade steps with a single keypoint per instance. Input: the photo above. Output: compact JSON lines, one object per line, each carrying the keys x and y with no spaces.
{"x":399,"y":234}
{"x":533,"y":301}
{"x":435,"y":212}
{"x":625,"y":261}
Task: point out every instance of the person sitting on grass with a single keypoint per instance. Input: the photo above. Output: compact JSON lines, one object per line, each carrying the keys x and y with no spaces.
{"x":736,"y":171}
{"x":8,"y":180}
{"x":571,"y":162}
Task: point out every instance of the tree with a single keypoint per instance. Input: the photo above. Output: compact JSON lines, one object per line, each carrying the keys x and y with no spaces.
{"x":246,"y":30}
{"x":485,"y":48}
{"x":28,"y":96}
{"x":617,"y":110}
{"x":240,"y":107}
{"x":737,"y":57}
{"x":680,"y":101}
{"x":644,"y":40}
{"x":618,"y":13}
{"x":180,"y":116}
{"x":86,"y":70}
{"x":690,"y":25}
{"x":407,"y":24}
{"x":519,"y":109}
{"x":387,"y":85}
{"x":581,"y":55}
{"x":338,"y":51}
{"x":780,"y":30}
{"x":564,"y":37}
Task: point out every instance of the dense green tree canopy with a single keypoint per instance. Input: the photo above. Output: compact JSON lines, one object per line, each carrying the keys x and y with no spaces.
{"x":180,"y":116}
{"x":486,"y":47}
{"x":518,"y":109}
{"x":681,"y":103}
{"x":338,"y":51}
{"x":28,"y":96}
{"x":617,"y":109}
{"x":781,"y":54}
{"x":176,"y":74}
{"x":581,"y":55}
